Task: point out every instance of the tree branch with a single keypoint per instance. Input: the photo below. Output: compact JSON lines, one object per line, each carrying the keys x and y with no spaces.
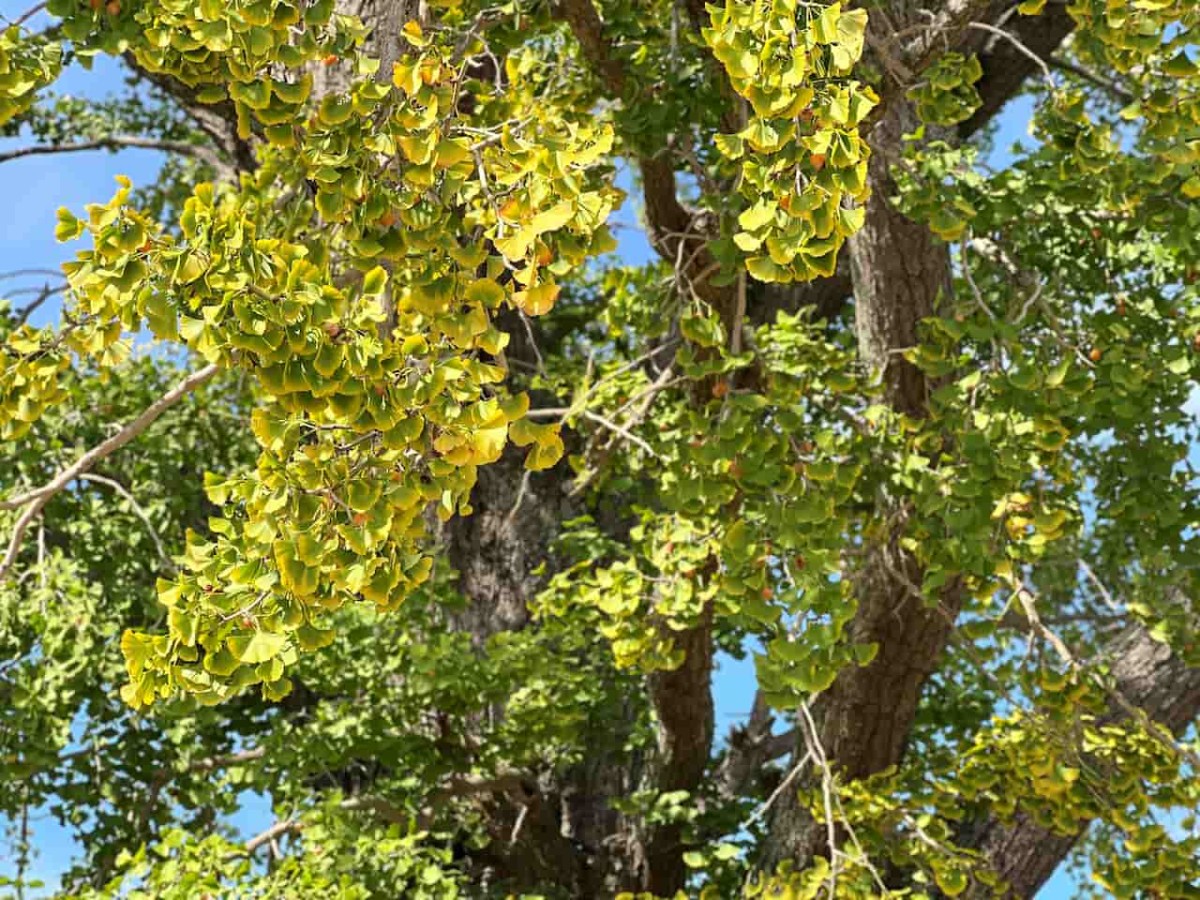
{"x":28,"y":14}
{"x":43,"y":294}
{"x":683,"y":702}
{"x":138,"y":511}
{"x":34,"y":501}
{"x":750,"y":748}
{"x":1100,"y":81}
{"x":1007,"y":63}
{"x":463,"y":785}
{"x":677,"y":234}
{"x":232,"y":154}
{"x":112,"y":143}
{"x":682,"y":698}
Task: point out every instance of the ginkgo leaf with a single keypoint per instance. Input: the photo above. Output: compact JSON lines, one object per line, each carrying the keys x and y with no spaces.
{"x":257,"y":647}
{"x":537,"y":300}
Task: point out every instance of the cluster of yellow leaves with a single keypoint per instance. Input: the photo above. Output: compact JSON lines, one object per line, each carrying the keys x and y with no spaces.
{"x":365,"y":313}
{"x":25,"y":66}
{"x":803,"y":163}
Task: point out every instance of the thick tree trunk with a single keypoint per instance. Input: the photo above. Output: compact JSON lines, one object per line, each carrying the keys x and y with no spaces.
{"x":683,"y":700}
{"x":900,"y":271}
{"x":496,"y":550}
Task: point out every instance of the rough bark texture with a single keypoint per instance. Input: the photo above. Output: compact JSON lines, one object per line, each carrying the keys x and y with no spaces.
{"x":826,"y":297}
{"x":496,"y":549}
{"x":683,"y":700}
{"x":218,"y":121}
{"x":899,"y":271}
{"x":1147,"y":675}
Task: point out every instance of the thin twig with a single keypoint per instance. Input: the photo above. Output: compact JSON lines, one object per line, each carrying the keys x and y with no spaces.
{"x":521,"y":491}
{"x":1027,"y":599}
{"x":1099,"y":585}
{"x":1021,"y":48}
{"x":44,"y":294}
{"x":621,"y":430}
{"x":138,"y":511}
{"x":29,"y":14}
{"x":1094,"y":77}
{"x":791,"y":776}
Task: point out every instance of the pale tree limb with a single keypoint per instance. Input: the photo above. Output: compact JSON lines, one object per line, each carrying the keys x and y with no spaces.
{"x":111,"y":142}
{"x":1005,"y":67}
{"x":1020,"y":47}
{"x":465,"y":785}
{"x":34,"y":501}
{"x":277,"y":830}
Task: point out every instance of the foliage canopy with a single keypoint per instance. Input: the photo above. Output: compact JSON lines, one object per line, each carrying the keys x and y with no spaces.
{"x":482,"y":500}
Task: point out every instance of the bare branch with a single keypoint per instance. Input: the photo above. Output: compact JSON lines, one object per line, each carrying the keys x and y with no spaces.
{"x":28,"y":14}
{"x":20,"y":273}
{"x":233,"y":759}
{"x":275,"y":831}
{"x":1005,"y":67}
{"x":1020,"y":47}
{"x":621,"y":431}
{"x":462,"y":785}
{"x":1100,"y":81}
{"x":44,"y":294}
{"x":112,"y":143}
{"x":34,"y":501}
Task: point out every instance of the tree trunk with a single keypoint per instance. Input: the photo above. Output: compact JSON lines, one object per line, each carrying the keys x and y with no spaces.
{"x":900,"y":271}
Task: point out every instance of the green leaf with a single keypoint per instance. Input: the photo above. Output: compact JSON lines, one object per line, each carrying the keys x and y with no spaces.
{"x":375,"y":281}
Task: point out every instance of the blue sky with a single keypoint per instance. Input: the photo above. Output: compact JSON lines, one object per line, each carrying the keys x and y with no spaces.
{"x":34,"y":187}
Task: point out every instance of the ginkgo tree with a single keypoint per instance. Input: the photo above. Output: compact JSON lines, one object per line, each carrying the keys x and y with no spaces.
{"x":362,"y":473}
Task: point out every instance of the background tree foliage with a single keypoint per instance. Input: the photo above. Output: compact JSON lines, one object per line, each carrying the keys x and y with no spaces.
{"x":423,"y":513}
